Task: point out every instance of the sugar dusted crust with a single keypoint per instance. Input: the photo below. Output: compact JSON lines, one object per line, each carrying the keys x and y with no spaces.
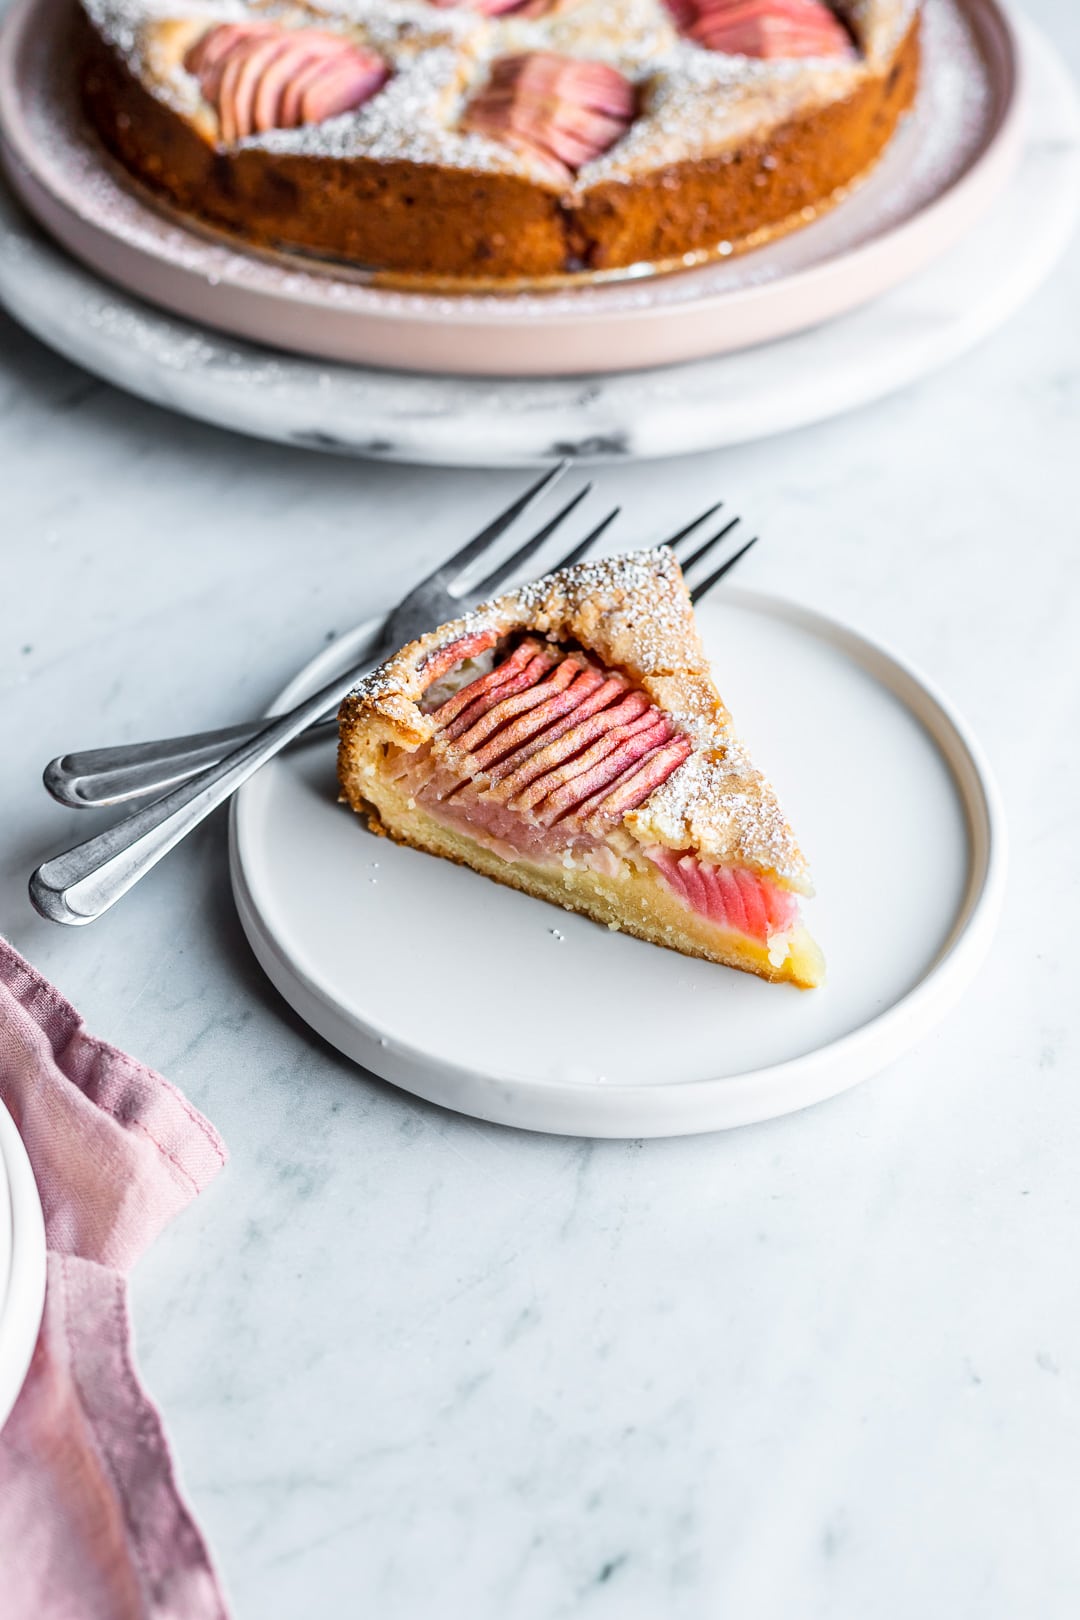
{"x":634,"y":614}
{"x":725,"y":151}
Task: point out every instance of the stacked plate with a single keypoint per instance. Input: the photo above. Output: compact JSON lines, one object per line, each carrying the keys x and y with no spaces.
{"x":22,"y":1263}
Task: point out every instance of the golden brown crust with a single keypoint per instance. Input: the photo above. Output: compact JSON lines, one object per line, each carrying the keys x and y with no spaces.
{"x":355,"y":209}
{"x":633,"y":612}
{"x":757,"y":192}
{"x":635,"y":615}
{"x":425,"y":219}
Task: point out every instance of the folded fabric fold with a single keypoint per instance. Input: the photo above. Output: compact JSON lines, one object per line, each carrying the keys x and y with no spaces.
{"x":92,"y":1522}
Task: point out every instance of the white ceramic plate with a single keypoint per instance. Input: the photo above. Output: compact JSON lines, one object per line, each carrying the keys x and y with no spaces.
{"x":500,"y":1006}
{"x":22,"y":1263}
{"x":942,"y":171}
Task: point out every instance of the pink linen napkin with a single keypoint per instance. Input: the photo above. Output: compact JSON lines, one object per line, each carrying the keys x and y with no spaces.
{"x":92,"y":1522}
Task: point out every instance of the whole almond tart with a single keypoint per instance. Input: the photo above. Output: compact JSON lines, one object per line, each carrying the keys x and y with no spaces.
{"x":568,"y":740}
{"x":499,"y":142}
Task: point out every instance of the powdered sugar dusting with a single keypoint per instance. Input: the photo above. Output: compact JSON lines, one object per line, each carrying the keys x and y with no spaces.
{"x":703,"y":103}
{"x":878,"y":25}
{"x":717,"y":797}
{"x":642,"y":590}
{"x":412,"y":119}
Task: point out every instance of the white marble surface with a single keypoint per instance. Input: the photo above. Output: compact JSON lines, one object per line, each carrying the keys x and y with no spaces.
{"x":820,"y":1369}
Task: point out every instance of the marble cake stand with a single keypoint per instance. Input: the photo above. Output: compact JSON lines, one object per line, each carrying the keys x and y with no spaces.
{"x":452,"y":421}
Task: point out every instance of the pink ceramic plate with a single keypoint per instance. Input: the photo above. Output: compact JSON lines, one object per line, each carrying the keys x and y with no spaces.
{"x":943,"y":170}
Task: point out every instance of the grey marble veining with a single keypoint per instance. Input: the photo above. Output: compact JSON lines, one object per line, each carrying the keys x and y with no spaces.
{"x":823,"y":1368}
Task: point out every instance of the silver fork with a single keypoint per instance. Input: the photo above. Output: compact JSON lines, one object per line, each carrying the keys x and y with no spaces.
{"x":97,"y":778}
{"x":81,"y":884}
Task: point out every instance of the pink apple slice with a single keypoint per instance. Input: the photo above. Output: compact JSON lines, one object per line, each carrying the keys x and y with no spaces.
{"x":262,"y":76}
{"x":763,"y":28}
{"x":565,"y":110}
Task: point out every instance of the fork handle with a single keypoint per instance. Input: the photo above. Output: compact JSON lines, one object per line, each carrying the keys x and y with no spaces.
{"x":81,"y":884}
{"x":98,"y":777}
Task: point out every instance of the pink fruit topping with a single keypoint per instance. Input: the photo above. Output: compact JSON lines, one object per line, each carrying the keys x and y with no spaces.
{"x":560,"y":109}
{"x":762,"y":28}
{"x":546,"y":753}
{"x":499,"y":8}
{"x":436,"y":664}
{"x":260,"y":76}
{"x":728,"y":895}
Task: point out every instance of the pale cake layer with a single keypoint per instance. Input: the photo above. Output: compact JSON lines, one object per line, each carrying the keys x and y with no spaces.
{"x":635,"y":901}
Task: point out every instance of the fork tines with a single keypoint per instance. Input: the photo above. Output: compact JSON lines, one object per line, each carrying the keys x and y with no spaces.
{"x":513,"y":564}
{"x":455,"y":569}
{"x":452,"y":571}
{"x":689,"y":560}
